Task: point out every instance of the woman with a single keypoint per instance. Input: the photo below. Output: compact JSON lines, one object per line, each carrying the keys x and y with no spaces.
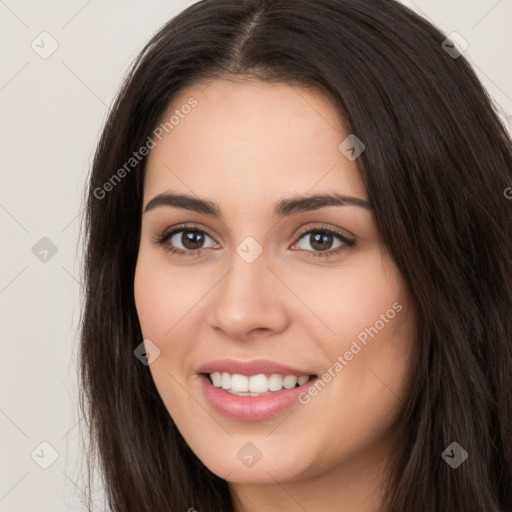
{"x":298,"y":268}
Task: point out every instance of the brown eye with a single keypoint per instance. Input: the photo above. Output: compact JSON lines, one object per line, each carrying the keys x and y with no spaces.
{"x":184,"y":240}
{"x":322,"y":242}
{"x":191,"y":239}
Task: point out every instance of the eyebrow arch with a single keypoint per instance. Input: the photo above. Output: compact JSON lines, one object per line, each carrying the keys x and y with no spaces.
{"x":282,"y":208}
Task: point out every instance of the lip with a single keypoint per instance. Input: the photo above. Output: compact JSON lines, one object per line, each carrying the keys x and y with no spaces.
{"x":251,"y":408}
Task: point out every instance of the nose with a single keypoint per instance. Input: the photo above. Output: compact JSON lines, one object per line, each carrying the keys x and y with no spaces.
{"x":249,"y":301}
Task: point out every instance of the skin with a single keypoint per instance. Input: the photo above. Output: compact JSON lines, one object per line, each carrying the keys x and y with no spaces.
{"x":246,"y":145}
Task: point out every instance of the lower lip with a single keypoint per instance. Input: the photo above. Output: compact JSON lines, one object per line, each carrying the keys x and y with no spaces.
{"x":251,"y":408}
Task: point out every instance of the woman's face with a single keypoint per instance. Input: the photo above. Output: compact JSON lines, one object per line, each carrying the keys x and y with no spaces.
{"x":273,"y":283}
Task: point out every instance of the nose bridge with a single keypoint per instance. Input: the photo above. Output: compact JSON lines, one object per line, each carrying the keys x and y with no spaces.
{"x":246,"y":299}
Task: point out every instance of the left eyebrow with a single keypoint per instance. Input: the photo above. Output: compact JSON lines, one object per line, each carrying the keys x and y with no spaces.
{"x":298,"y":204}
{"x":282,"y":208}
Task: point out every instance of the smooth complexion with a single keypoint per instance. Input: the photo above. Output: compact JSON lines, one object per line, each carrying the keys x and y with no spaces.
{"x":247,"y":146}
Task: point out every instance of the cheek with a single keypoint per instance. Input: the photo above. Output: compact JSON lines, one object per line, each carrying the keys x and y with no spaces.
{"x":356,"y":296}
{"x":151,"y":301}
{"x":369,"y":350}
{"x":164,"y":305}
{"x":163,"y":297}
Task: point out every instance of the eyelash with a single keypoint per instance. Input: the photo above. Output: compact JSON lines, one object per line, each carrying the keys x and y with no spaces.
{"x":166,"y":235}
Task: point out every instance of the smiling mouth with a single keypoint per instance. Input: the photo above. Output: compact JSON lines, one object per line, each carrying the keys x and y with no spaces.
{"x":256,"y":385}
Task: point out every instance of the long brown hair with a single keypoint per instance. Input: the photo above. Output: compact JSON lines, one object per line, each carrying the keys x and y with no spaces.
{"x":436,"y":165}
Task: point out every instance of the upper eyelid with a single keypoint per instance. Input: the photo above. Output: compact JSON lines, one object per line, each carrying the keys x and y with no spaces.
{"x":176,"y":229}
{"x":335,"y":231}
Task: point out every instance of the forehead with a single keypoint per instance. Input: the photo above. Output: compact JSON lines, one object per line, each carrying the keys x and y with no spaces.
{"x":249,"y":140}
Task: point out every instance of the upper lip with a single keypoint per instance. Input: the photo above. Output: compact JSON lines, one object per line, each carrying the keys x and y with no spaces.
{"x":252,"y":367}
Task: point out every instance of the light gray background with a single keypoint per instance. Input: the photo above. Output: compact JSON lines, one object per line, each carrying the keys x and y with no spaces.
{"x":52,"y":111}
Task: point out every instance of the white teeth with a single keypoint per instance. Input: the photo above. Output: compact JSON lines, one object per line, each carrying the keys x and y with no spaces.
{"x":255,"y":384}
{"x":216,"y":379}
{"x":289,"y":381}
{"x":275,"y":383}
{"x":239,"y":383}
